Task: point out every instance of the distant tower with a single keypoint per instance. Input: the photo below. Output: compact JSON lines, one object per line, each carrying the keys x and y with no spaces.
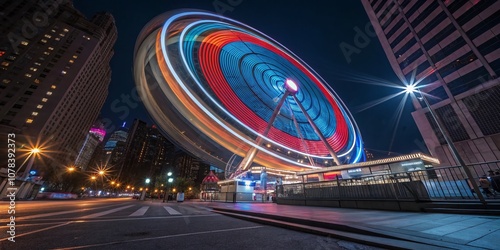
{"x":54,"y":75}
{"x":114,"y":149}
{"x":94,"y":137}
{"x":452,"y":49}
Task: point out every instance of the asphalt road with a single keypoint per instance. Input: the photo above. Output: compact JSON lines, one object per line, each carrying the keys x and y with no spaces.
{"x":131,"y":224}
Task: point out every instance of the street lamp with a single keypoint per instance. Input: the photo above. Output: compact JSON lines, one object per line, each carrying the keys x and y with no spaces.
{"x":411,"y":88}
{"x":93,"y":179}
{"x":169,"y":180}
{"x":26,"y":187}
{"x":143,"y":195}
{"x":32,"y":154}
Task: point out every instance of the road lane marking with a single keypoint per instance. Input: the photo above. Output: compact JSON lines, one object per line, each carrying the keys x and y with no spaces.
{"x":105,"y":212}
{"x":40,"y":230}
{"x":141,"y":211}
{"x":161,"y":237}
{"x":57,"y":213}
{"x":171,"y":211}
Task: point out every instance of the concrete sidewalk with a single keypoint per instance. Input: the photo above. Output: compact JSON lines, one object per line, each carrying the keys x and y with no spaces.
{"x":429,"y":230}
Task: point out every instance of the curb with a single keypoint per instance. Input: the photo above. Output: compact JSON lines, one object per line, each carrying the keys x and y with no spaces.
{"x":358,"y":234}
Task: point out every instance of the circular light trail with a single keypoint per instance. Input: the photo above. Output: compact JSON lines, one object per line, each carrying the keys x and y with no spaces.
{"x":212,"y":83}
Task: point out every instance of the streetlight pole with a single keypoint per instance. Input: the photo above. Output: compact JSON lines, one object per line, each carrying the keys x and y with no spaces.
{"x":93,"y":178}
{"x":143,"y":195}
{"x":169,"y":180}
{"x":25,"y":187}
{"x":451,"y":146}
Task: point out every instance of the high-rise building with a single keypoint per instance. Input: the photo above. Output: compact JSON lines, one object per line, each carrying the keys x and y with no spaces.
{"x":148,"y":154}
{"x":132,"y":169}
{"x":114,"y":150}
{"x":92,"y":140}
{"x":190,"y":167}
{"x":119,"y":135}
{"x":452,"y":49}
{"x":54,"y":74}
{"x":159,"y":152}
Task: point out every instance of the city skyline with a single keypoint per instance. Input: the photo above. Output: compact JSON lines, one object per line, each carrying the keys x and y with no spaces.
{"x":344,"y":69}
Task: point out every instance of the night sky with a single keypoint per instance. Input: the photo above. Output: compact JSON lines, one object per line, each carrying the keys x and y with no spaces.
{"x":313,"y":30}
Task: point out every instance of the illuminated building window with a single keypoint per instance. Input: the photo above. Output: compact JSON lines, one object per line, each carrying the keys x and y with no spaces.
{"x":71,"y":61}
{"x":29,"y":120}
{"x":46,"y":53}
{"x":34,"y":113}
{"x":27,"y":75}
{"x":39,"y":106}
{"x":37,"y":64}
{"x":57,"y":38}
{"x":53,"y":30}
{"x":75,"y":56}
{"x":43,"y":40}
{"x":50,"y":48}
{"x":6,"y":80}
{"x":24,"y":43}
{"x":53,"y":87}
{"x":33,"y":69}
{"x":44,"y":99}
{"x":37,"y":81}
{"x":63,"y":72}
{"x":48,"y":36}
{"x":49,"y":93}
{"x":65,"y":30}
{"x":5,"y":64}
{"x":61,"y":34}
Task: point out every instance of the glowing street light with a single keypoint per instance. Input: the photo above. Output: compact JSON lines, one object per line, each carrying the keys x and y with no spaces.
{"x":169,"y":180}
{"x":71,"y":169}
{"x":143,"y":195}
{"x":410,"y":88}
{"x":33,"y":153}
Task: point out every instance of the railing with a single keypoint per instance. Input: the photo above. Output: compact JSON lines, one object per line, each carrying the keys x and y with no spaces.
{"x":448,"y":183}
{"x":229,"y":197}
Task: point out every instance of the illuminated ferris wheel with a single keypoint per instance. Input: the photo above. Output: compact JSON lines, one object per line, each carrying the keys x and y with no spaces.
{"x":220,"y":89}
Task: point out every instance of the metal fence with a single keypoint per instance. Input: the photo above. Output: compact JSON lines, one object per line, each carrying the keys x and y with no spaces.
{"x":448,"y":183}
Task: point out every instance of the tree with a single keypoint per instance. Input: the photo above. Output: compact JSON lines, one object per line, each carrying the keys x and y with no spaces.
{"x":182,"y":184}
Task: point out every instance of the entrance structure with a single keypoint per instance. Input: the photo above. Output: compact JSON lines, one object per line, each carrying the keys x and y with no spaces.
{"x":237,"y":99}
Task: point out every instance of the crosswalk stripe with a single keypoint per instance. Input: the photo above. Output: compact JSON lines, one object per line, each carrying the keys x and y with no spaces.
{"x":105,"y":212}
{"x":171,"y":211}
{"x":140,"y":212}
